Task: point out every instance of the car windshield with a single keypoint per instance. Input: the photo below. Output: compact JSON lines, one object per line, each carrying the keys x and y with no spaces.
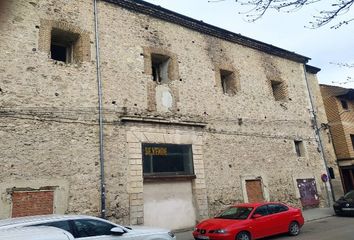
{"x":235,"y":213}
{"x":349,"y":195}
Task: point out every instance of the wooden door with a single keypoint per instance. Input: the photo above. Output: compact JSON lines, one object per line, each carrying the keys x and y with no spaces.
{"x":254,"y":191}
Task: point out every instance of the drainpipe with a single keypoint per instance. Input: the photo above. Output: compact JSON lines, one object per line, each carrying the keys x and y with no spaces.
{"x":100,"y":114}
{"x":318,"y":136}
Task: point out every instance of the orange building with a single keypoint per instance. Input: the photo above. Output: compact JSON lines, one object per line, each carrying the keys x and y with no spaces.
{"x":339,"y":105}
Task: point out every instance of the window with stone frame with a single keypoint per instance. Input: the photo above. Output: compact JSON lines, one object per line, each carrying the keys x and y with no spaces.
{"x":64,"y":42}
{"x":167,"y":159}
{"x":228,"y":82}
{"x":160,"y":68}
{"x":278,"y":90}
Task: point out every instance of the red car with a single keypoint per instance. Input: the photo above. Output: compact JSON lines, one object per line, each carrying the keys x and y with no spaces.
{"x":251,"y":221}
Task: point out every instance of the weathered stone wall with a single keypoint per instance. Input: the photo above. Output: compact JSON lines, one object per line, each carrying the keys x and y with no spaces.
{"x":48,"y":109}
{"x":50,"y":119}
{"x":249,"y":134}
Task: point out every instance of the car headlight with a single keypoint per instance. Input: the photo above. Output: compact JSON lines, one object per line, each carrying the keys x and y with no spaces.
{"x":172,"y":235}
{"x":220,"y":231}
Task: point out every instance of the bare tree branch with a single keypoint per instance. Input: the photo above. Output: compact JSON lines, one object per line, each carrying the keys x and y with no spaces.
{"x":258,"y":8}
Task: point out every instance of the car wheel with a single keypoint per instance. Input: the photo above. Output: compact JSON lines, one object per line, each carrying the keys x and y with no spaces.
{"x":243,"y":236}
{"x":294,"y":229}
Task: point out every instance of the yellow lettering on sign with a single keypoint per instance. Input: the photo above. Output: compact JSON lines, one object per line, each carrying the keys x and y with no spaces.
{"x":155,"y":151}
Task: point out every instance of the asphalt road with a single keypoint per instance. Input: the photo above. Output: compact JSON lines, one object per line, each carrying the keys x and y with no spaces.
{"x":338,"y":228}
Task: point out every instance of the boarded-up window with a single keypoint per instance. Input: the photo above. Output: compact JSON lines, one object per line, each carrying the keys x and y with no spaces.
{"x":254,"y":190}
{"x":28,"y":203}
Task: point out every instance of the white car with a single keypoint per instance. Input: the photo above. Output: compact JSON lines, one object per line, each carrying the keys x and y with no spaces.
{"x":87,"y":227}
{"x":35,"y":233}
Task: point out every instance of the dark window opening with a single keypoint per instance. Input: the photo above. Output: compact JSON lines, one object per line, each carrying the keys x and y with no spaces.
{"x":167,"y":159}
{"x":160,"y":68}
{"x":331,"y":173}
{"x":278,"y":90}
{"x":228,"y":82}
{"x":344,"y":104}
{"x":299,"y":148}
{"x":352,"y":139}
{"x":62,"y":45}
{"x":58,"y":52}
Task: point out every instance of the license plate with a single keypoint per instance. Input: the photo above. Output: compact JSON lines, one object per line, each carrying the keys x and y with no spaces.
{"x":203,"y":237}
{"x":348,"y":209}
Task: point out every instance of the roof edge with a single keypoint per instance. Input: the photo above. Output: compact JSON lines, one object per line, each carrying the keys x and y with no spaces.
{"x":199,"y":26}
{"x":312,"y":69}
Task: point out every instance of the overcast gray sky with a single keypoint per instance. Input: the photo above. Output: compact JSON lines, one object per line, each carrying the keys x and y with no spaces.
{"x":322,"y":45}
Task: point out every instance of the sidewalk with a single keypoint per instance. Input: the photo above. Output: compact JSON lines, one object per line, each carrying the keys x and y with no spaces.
{"x":317,"y":213}
{"x":309,"y":215}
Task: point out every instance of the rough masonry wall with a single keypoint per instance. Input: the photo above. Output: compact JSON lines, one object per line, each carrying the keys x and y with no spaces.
{"x":48,"y":112}
{"x":248,"y":135}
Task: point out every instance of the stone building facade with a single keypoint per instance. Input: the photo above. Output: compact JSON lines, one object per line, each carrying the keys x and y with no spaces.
{"x":339,"y":103}
{"x":195,"y":118}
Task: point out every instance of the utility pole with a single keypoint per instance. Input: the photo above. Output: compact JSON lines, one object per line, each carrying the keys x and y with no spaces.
{"x":319,"y":141}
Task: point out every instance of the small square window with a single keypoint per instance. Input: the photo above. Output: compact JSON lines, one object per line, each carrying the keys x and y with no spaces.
{"x":278,"y":90}
{"x":160,"y":68}
{"x":299,"y":148}
{"x":228,"y":82}
{"x":62,"y":45}
{"x":344,"y":104}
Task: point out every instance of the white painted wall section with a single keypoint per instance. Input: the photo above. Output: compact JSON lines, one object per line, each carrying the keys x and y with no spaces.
{"x":169,"y":205}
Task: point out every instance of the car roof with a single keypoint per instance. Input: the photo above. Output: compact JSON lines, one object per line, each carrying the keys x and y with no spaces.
{"x":35,"y":233}
{"x":38,"y":219}
{"x":256,"y":204}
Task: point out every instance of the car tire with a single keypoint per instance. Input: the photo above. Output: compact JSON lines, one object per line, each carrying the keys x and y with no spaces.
{"x":294,"y":229}
{"x":243,"y":236}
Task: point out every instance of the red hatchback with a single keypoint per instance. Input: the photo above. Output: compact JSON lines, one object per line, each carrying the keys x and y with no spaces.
{"x":251,"y":221}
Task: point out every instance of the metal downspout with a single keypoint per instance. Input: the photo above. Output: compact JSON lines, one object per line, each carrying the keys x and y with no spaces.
{"x":100,"y":114}
{"x":317,"y":132}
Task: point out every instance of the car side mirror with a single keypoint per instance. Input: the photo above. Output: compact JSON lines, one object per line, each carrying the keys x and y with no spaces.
{"x":256,"y":216}
{"x":117,"y":231}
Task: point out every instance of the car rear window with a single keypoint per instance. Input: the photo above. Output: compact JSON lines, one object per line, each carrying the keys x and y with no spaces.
{"x":276,"y":208}
{"x":59,"y":224}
